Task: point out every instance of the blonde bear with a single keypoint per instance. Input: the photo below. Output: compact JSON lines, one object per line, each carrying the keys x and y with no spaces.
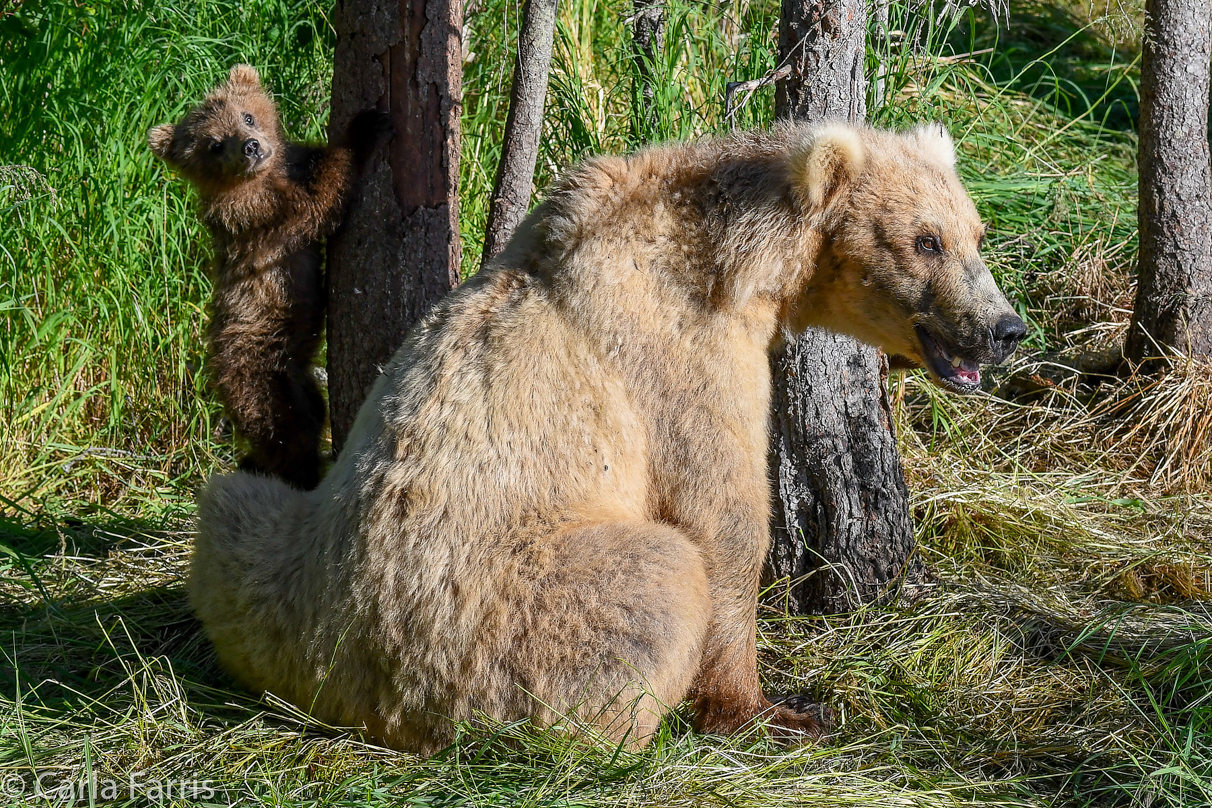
{"x":554,"y":504}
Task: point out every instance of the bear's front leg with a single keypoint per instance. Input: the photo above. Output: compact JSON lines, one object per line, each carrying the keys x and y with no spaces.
{"x":734,"y":536}
{"x":726,"y":692}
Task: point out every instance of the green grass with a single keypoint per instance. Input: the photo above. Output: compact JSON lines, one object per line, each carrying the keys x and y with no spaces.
{"x":1061,"y":656}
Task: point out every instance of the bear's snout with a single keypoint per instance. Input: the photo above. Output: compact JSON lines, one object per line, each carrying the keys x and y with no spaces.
{"x":1006,"y":334}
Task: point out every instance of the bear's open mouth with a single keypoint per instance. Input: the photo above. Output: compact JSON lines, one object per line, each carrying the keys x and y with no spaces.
{"x":960,"y":374}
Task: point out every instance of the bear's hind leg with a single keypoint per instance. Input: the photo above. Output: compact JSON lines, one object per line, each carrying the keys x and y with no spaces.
{"x":613,"y":634}
{"x":298,"y":424}
{"x":272,"y":399}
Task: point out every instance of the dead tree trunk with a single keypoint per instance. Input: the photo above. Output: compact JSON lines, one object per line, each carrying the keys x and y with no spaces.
{"x":648,"y":40}
{"x":841,"y":514}
{"x":523,"y":128}
{"x":1174,"y":293}
{"x":398,"y":252}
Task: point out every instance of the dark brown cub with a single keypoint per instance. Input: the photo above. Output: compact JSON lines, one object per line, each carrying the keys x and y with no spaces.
{"x":268,"y":204}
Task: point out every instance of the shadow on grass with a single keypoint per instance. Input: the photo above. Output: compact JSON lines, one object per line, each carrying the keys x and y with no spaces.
{"x":1047,"y":51}
{"x":93,"y":613}
{"x":42,"y":536}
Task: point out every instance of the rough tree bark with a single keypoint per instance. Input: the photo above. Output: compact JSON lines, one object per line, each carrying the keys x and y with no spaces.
{"x":1174,"y":293}
{"x":648,"y":40}
{"x":398,"y":252}
{"x":841,"y":514}
{"x":523,"y":128}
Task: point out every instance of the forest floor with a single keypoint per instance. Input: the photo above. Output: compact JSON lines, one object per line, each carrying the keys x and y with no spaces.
{"x":1061,"y":654}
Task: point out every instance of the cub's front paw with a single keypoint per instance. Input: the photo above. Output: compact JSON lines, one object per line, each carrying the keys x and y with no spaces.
{"x":370,"y":129}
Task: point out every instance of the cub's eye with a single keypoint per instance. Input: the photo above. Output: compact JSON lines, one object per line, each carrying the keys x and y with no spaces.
{"x":929,"y":245}
{"x":216,"y":145}
{"x":248,"y":120}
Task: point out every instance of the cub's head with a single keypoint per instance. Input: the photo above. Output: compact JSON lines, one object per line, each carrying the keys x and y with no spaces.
{"x":900,"y":266}
{"x":231,"y":136}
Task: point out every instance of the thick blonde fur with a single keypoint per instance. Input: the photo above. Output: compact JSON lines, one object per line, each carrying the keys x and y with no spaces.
{"x":554,"y":504}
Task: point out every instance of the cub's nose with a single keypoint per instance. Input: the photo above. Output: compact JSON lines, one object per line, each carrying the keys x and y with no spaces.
{"x":251,"y":148}
{"x":1007,"y":333}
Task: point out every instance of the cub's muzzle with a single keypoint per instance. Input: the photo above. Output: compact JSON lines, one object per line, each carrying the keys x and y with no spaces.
{"x":254,"y":154}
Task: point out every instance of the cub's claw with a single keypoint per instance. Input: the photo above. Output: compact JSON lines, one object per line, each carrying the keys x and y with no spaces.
{"x":369,"y":130}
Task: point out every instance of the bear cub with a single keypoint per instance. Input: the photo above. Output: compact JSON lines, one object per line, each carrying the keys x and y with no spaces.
{"x":269,"y":204}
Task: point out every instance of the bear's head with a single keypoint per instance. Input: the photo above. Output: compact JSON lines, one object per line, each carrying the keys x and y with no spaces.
{"x":230,"y":137}
{"x":900,"y":263}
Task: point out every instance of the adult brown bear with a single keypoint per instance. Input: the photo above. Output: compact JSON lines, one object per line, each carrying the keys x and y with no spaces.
{"x":554,"y":504}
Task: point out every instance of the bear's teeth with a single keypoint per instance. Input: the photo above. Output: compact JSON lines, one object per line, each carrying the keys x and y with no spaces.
{"x":955,"y":361}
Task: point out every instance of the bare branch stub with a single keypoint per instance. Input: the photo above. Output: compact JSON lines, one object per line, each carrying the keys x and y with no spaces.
{"x":749,"y":88}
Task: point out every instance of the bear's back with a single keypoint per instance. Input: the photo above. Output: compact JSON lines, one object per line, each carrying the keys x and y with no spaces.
{"x":496,"y":421}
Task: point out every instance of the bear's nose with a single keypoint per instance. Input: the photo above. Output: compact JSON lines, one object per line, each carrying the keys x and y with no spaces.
{"x":251,"y":148}
{"x":1010,"y":328}
{"x":1007,"y":333}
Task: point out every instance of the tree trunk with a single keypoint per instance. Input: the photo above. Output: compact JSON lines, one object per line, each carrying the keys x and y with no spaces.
{"x":648,"y":40}
{"x":841,"y":514}
{"x":879,"y":13}
{"x":520,"y":150}
{"x":732,"y":17}
{"x":1174,"y":293}
{"x":398,"y":251}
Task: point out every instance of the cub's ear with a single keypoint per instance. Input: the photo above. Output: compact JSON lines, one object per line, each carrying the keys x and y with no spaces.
{"x":825,"y":162}
{"x":160,"y":139}
{"x":932,"y":138}
{"x":244,"y":74}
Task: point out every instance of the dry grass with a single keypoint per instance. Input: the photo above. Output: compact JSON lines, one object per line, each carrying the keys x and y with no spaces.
{"x":1024,"y":673}
{"x":1163,"y":422}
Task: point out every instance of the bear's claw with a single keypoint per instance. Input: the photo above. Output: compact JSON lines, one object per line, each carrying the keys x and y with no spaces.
{"x":369,"y":129}
{"x":796,"y":718}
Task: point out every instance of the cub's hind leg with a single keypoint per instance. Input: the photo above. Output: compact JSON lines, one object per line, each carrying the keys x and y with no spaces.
{"x":271,"y":398}
{"x":298,"y":425}
{"x":613,"y":633}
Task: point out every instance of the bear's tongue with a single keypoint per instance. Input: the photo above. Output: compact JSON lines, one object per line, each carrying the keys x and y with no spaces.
{"x":968,"y":371}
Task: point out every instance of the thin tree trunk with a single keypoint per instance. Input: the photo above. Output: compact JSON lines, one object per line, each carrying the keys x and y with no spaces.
{"x":399,"y":251}
{"x":648,"y":40}
{"x":826,"y":44}
{"x":523,"y":128}
{"x":841,"y":514}
{"x":879,"y":13}
{"x":732,"y":20}
{"x":1174,"y":294}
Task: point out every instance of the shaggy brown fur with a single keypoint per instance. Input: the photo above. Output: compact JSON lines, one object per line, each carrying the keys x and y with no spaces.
{"x":268,"y":204}
{"x":554,"y":503}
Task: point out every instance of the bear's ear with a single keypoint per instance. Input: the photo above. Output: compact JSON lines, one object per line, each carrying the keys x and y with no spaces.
{"x":160,"y":139}
{"x":244,"y":74}
{"x":825,"y":162}
{"x":932,"y":138}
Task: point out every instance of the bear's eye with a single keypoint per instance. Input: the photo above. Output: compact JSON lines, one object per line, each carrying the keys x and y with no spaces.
{"x":216,"y":145}
{"x":248,"y":120}
{"x":929,"y":245}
